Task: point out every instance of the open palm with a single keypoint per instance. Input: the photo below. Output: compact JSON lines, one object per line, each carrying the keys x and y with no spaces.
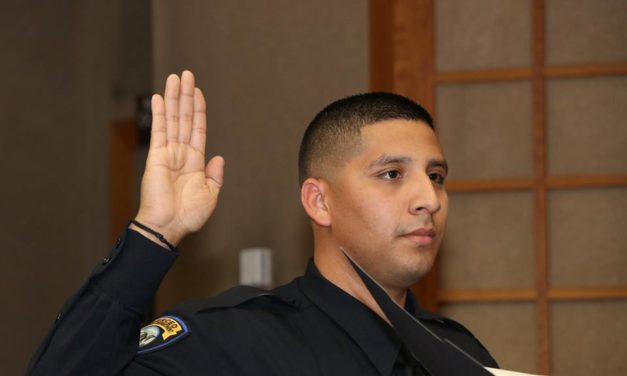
{"x":178,"y":192}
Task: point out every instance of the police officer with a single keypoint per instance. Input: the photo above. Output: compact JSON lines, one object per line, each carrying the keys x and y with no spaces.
{"x":372,"y":176}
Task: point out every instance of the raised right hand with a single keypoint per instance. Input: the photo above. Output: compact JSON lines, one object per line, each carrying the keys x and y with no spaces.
{"x":178,"y":192}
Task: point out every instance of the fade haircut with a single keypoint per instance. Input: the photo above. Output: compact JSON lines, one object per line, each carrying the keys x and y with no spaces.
{"x":336,"y":130}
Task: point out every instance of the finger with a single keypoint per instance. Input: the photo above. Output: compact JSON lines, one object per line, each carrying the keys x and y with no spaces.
{"x":199,"y":125}
{"x":214,"y":172}
{"x":186,"y":106}
{"x":171,"y":98}
{"x":157,"y":131}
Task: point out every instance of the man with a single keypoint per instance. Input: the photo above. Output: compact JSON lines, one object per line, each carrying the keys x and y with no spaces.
{"x":372,"y":182}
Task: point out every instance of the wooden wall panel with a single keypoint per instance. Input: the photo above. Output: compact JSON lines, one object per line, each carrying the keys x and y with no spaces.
{"x":485,"y":129}
{"x":588,"y":239}
{"x":499,"y":35}
{"x":589,"y":338}
{"x":586,"y":31}
{"x":489,"y":241}
{"x":509,"y":333}
{"x":595,"y":108}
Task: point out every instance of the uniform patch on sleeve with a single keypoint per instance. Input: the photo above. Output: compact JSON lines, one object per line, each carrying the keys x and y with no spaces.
{"x":161,"y":333}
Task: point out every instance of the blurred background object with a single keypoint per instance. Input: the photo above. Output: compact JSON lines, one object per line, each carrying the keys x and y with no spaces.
{"x":255,"y":267}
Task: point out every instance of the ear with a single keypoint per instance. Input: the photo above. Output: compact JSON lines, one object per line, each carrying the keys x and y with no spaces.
{"x":313,"y":195}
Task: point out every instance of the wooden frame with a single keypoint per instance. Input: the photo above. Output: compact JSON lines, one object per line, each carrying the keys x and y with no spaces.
{"x":514,"y":74}
{"x":397,"y":64}
{"x":529,"y":295}
{"x":396,"y":27}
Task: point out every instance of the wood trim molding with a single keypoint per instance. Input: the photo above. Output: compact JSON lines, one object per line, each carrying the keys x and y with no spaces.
{"x":588,"y":293}
{"x":381,"y":34}
{"x":489,"y":185}
{"x":551,"y":182}
{"x":414,"y":25}
{"x":517,"y":74}
{"x":396,"y":28}
{"x":540,"y":193}
{"x":586,"y":181}
{"x":510,"y":74}
{"x":585,"y":70}
{"x":529,"y":295}
{"x":486,"y":295}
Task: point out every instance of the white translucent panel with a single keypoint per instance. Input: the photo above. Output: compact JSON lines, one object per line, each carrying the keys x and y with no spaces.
{"x":486,"y":129}
{"x":586,"y":126}
{"x":588,"y":237}
{"x":589,"y":338}
{"x":507,"y":330}
{"x":586,"y":31}
{"x":489,"y":241}
{"x":482,"y":34}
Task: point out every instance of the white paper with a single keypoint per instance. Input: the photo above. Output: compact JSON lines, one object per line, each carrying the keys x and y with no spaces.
{"x":503,"y":372}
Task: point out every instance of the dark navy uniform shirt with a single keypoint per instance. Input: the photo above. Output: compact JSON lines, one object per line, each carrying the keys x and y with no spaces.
{"x":307,"y":327}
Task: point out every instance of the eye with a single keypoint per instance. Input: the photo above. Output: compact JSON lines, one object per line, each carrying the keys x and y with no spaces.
{"x":437,"y":178}
{"x":391,"y":175}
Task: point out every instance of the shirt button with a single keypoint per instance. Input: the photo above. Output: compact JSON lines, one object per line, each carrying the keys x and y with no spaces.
{"x":106,"y":260}
{"x":58,"y":317}
{"x":117,"y":243}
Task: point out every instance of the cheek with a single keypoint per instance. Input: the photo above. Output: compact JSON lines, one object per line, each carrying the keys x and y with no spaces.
{"x":440,"y":219}
{"x":355,"y":213}
{"x":443,"y":212}
{"x":363,"y":216}
{"x":379,"y":217}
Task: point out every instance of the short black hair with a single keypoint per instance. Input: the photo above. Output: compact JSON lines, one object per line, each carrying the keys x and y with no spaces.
{"x":338,"y":126}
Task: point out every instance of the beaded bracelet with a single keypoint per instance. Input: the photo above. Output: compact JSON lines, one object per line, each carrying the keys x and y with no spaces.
{"x":161,"y":238}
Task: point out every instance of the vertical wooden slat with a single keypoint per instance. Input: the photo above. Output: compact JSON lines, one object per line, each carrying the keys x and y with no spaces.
{"x":414,"y":67}
{"x":122,"y":146}
{"x":402,"y":61}
{"x":414,"y":62}
{"x":540,"y":192}
{"x":381,"y":46}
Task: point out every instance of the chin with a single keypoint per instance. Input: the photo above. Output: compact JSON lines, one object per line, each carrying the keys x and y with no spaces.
{"x":419,"y":270}
{"x":406,"y":276}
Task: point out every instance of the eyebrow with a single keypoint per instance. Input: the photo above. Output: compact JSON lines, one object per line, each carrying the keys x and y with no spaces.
{"x":438,"y":163}
{"x":386,"y":159}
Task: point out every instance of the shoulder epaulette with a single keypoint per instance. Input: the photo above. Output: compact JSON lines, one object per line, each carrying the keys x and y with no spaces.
{"x":230,"y":298}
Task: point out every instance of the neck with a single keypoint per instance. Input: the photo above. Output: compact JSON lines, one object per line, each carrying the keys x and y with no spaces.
{"x":337,"y":269}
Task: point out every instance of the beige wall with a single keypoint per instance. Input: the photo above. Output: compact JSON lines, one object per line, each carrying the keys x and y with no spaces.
{"x":71,"y":68}
{"x":266,"y":68}
{"x":63,"y":82}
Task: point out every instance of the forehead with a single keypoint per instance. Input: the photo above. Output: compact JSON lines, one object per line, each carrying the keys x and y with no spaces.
{"x":399,"y":136}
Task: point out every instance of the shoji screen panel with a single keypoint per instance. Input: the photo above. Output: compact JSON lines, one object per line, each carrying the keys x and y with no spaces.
{"x":529,"y":101}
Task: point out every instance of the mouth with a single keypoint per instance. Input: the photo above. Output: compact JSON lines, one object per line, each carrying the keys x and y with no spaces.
{"x":421,"y":236}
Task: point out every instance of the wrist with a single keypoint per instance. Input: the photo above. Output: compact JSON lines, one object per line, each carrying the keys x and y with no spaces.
{"x":164,"y":236}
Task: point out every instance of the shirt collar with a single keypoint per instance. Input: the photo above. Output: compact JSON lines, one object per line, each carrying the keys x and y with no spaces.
{"x":412,"y":306}
{"x":373,"y":335}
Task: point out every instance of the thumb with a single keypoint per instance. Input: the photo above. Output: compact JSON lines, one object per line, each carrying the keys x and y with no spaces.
{"x":214,"y":172}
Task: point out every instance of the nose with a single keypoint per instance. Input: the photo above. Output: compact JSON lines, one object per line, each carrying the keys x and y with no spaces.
{"x":425,"y":196}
